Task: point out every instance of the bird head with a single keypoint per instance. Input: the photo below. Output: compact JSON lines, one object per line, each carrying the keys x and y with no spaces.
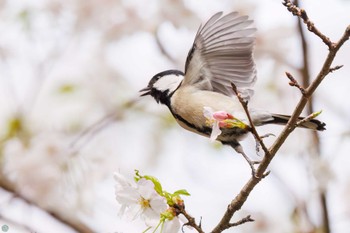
{"x":163,"y":85}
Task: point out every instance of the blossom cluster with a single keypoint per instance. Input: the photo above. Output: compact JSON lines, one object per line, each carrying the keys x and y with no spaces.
{"x":220,"y":119}
{"x":145,"y":198}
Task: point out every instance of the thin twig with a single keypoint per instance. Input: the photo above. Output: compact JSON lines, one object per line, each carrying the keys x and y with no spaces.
{"x":294,"y":83}
{"x":252,"y":127}
{"x":310,"y":109}
{"x":332,"y":69}
{"x":301,"y":13}
{"x":309,"y":91}
{"x":191,"y":220}
{"x":242,"y":221}
{"x":253,"y":131}
{"x":308,"y":118}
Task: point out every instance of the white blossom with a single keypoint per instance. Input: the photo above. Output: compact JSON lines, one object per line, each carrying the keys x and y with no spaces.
{"x":172,"y":226}
{"x":209,"y":114}
{"x":139,"y":200}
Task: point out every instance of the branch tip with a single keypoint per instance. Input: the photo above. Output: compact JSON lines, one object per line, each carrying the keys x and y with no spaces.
{"x":266,"y":174}
{"x":308,"y":118}
{"x":335,"y":68}
{"x":240,"y":222}
{"x":347,"y":30}
{"x":294,"y":83}
{"x":191,"y":220}
{"x":301,"y":13}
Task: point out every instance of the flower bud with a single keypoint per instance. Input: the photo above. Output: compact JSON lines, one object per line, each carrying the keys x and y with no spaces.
{"x":222,"y":115}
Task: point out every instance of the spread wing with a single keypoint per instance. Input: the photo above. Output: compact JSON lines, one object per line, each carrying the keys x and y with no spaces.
{"x":221,"y":54}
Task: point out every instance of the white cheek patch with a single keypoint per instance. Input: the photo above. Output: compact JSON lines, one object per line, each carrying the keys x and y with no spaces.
{"x":168,"y":82}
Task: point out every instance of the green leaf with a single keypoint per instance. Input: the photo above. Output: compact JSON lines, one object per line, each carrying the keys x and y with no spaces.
{"x":157,"y":185}
{"x":182,"y":192}
{"x":171,"y":198}
{"x":168,"y":197}
{"x":316,"y":114}
{"x":155,"y":181}
{"x":137,"y":176}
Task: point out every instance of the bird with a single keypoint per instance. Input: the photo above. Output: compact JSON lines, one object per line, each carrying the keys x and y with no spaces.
{"x":221,"y":55}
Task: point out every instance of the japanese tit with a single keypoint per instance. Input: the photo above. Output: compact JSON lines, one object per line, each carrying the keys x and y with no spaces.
{"x":221,"y":54}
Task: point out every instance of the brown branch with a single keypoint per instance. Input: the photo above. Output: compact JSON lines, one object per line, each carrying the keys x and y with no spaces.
{"x":252,"y":127}
{"x":294,"y":83}
{"x":75,"y":224}
{"x":335,"y":68}
{"x":306,"y":119}
{"x":301,"y":13}
{"x":309,"y":91}
{"x":310,"y":109}
{"x":240,"y":199}
{"x":191,"y":220}
{"x":242,"y":221}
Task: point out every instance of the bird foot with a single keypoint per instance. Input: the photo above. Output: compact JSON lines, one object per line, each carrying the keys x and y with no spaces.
{"x":267,"y":135}
{"x":254,"y":170}
{"x":251,"y":164}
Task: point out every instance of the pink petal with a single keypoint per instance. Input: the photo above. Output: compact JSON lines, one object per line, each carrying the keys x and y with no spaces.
{"x":215,"y":131}
{"x":220,"y":115}
{"x":222,"y":124}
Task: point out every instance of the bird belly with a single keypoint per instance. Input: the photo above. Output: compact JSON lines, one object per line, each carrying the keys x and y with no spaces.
{"x":187,"y":106}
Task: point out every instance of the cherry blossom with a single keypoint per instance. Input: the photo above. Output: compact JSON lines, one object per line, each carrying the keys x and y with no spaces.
{"x":139,"y":199}
{"x":220,"y":119}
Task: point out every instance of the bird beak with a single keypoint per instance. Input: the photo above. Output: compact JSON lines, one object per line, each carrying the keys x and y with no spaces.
{"x":146,"y":91}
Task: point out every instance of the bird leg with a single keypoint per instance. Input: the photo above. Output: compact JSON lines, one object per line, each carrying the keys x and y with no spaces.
{"x":257,"y":143}
{"x":238,"y":148}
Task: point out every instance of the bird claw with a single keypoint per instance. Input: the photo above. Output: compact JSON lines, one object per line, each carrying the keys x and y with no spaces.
{"x":267,"y":135}
{"x":251,"y":164}
{"x":257,"y":143}
{"x":254,"y":170}
{"x":254,"y":174}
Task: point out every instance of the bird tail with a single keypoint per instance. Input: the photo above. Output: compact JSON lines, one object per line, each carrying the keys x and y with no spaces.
{"x":310,"y":124}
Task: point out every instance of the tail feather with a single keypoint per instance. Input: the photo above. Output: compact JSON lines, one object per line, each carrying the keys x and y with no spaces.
{"x":311,"y":124}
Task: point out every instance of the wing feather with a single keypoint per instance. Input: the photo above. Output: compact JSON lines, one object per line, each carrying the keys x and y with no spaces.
{"x":221,"y":54}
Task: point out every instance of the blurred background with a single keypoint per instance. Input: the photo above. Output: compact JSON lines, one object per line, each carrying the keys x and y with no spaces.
{"x":70,"y":116}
